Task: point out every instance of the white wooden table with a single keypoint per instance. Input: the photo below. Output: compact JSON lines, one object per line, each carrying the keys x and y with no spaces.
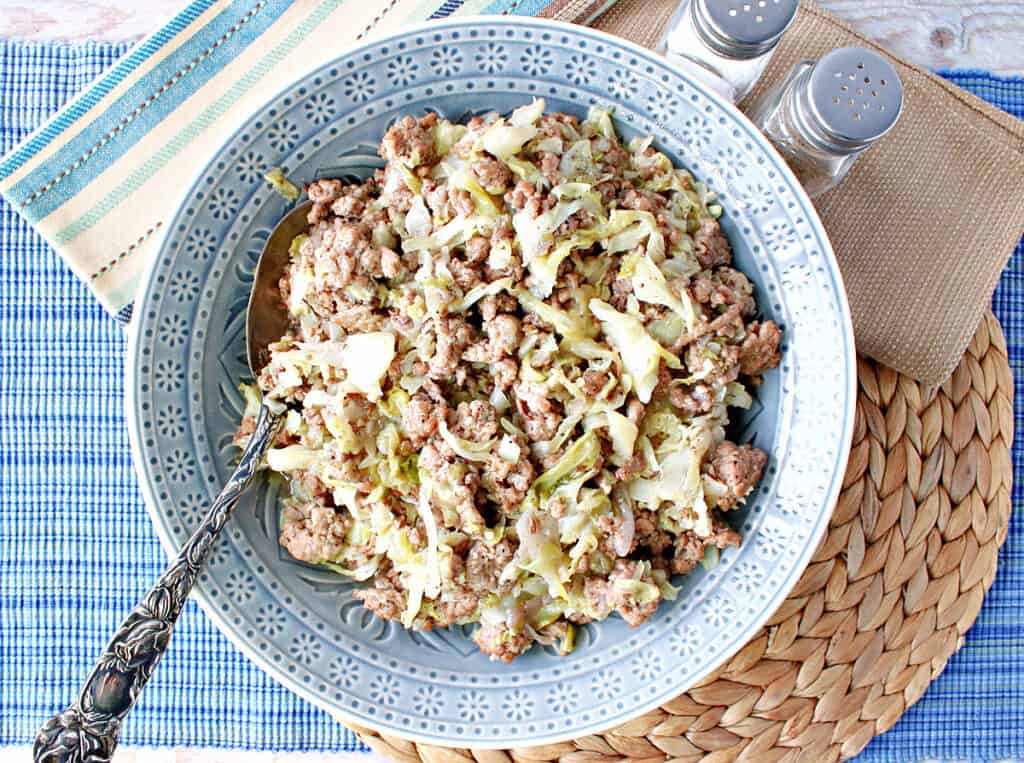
{"x":935,"y":33}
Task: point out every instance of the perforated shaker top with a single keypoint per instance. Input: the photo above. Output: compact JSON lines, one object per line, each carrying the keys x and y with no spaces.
{"x":856,"y":94}
{"x":748,"y":26}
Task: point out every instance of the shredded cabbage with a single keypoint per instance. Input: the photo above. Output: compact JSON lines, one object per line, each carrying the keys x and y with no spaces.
{"x":641,"y":355}
{"x":280,"y":183}
{"x":400,"y":314}
{"x":649,"y":285}
{"x":366,"y":358}
{"x":291,"y":458}
{"x":622,"y":431}
{"x":467,"y":449}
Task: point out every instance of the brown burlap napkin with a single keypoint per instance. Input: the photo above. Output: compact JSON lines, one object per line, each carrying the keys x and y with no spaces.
{"x":926,"y":220}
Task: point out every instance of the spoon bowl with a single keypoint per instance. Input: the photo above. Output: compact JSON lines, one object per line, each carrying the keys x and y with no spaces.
{"x":266,"y":319}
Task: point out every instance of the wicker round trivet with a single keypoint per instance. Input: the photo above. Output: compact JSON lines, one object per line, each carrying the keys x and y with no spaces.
{"x":901,"y":575}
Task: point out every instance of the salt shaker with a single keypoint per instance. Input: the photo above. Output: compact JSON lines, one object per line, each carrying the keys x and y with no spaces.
{"x":730,"y":41}
{"x":825,"y":114}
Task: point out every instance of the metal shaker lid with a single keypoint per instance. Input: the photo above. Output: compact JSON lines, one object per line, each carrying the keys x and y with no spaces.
{"x":743,"y":28}
{"x":855,"y":96}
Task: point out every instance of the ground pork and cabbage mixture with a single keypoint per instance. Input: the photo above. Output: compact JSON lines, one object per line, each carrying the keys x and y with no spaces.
{"x":513,"y":355}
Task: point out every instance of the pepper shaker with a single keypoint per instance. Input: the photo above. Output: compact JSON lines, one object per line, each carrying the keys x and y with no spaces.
{"x":825,"y":114}
{"x":729,"y":41}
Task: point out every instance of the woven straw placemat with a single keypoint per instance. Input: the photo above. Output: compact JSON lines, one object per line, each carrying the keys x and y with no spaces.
{"x":900,"y":577}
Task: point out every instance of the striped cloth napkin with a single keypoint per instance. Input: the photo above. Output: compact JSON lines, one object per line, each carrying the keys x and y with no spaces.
{"x":101,"y":178}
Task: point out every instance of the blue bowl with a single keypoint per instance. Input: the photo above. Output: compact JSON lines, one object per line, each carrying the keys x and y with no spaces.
{"x":300,"y":623}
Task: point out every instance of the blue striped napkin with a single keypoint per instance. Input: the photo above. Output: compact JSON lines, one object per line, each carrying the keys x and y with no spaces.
{"x":96,"y":179}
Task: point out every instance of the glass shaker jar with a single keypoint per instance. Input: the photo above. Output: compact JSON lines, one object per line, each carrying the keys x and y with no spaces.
{"x":825,"y":114}
{"x":730,"y":41}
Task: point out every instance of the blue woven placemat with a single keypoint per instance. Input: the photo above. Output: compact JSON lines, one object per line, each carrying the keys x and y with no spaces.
{"x":76,"y":548}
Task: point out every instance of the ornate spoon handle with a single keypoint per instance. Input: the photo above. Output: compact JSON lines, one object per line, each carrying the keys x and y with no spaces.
{"x":87,"y":731}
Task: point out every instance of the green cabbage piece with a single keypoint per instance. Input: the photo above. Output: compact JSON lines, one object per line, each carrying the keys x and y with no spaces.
{"x":571,"y":326}
{"x":577,"y":162}
{"x":621,"y":431}
{"x":668,"y":591}
{"x":536,"y":234}
{"x":627,"y":229}
{"x":478,"y":292}
{"x":291,"y":458}
{"x":643,"y":593}
{"x":581,"y":455}
{"x":252,"y":399}
{"x":601,"y":122}
{"x":526,"y":170}
{"x":366,"y":358}
{"x":539,"y":551}
{"x":458,"y":231}
{"x":342,"y":432}
{"x":649,"y":285}
{"x":737,"y":396}
{"x":361,"y":573}
{"x":485,"y":204}
{"x":394,"y":470}
{"x":280,"y":183}
{"x":677,"y":491}
{"x":667,"y":329}
{"x":509,"y":450}
{"x":505,"y":141}
{"x":432,"y":585}
{"x":418,"y":220}
{"x":527,"y":115}
{"x":564,"y":431}
{"x":641,"y":355}
{"x":446,"y":135}
{"x":467,"y":449}
{"x":392,"y":405}
{"x":410,"y":563}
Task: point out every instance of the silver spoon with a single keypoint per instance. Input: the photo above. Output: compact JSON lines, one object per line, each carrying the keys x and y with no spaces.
{"x":86,"y":732}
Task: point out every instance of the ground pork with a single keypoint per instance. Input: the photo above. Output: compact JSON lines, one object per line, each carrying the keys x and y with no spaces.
{"x":313,"y":532}
{"x":738,"y":467}
{"x":506,"y":482}
{"x":504,"y":373}
{"x":421,"y":417}
{"x":710,"y":244}
{"x":451,"y":337}
{"x":501,"y":643}
{"x":593,"y":382}
{"x":723,"y":288}
{"x":461,"y":482}
{"x":476,"y":421}
{"x":477,"y":249}
{"x":549,"y":167}
{"x":484,"y":564}
{"x":634,"y":466}
{"x":410,"y":142}
{"x":537,"y":414}
{"x":493,"y":175}
{"x":649,"y":534}
{"x":760,"y":348}
{"x":457,"y":606}
{"x":692,"y":400}
{"x":524,"y":197}
{"x":689,"y":549}
{"x":386,"y":599}
{"x":631,"y":610}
